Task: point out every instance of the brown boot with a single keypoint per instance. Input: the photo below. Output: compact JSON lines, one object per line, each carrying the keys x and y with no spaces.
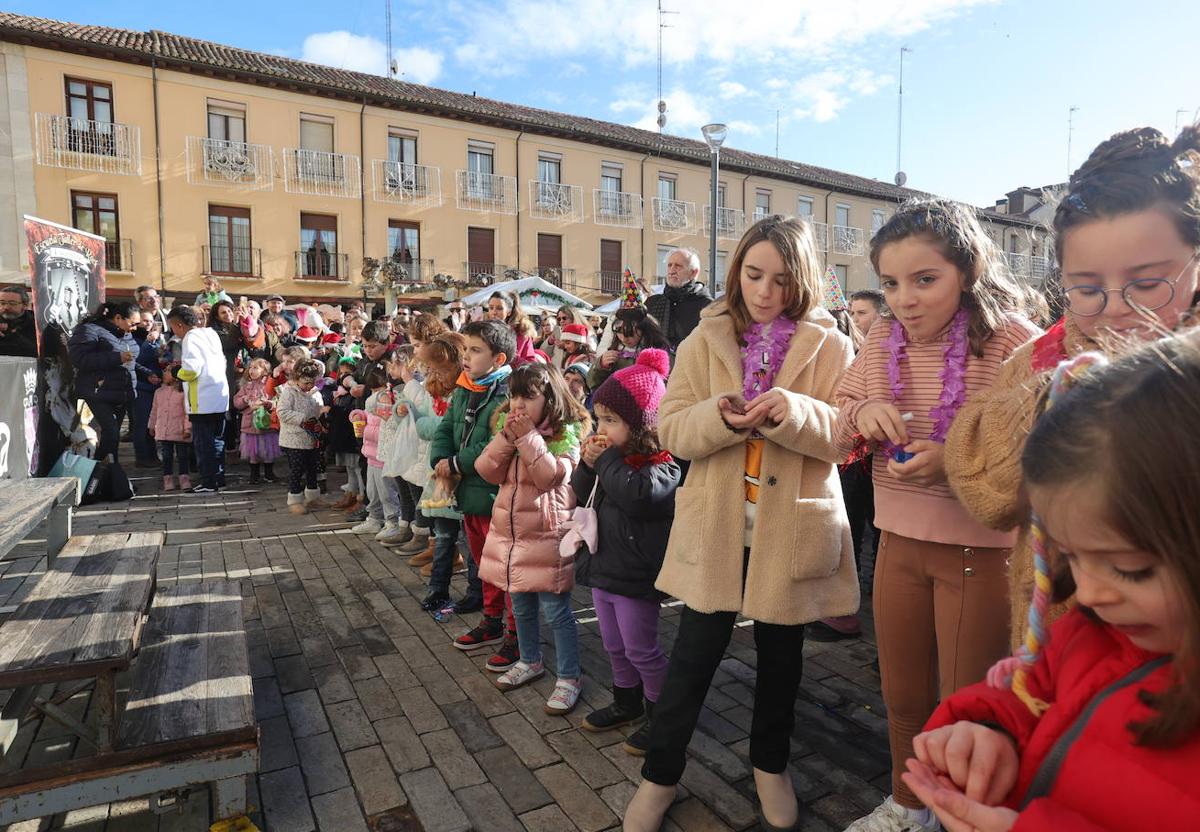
{"x":425,"y":557}
{"x":348,"y":499}
{"x":358,"y":504}
{"x":427,"y":569}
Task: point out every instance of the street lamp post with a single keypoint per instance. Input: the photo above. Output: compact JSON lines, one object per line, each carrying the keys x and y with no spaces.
{"x":714,"y":134}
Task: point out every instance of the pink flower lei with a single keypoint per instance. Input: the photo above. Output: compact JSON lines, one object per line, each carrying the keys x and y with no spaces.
{"x":766,"y":347}
{"x":953,"y":374}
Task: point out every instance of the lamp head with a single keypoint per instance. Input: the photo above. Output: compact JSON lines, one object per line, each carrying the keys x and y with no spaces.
{"x":714,"y":134}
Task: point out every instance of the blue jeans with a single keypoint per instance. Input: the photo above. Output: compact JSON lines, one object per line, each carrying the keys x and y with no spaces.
{"x":557,"y":607}
{"x":143,"y":443}
{"x":446,"y":531}
{"x":208,"y":438}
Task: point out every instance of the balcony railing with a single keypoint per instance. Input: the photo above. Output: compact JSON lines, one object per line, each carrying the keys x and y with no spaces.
{"x":317,"y":173}
{"x":760,"y":213}
{"x":80,"y":144}
{"x":473,"y":270}
{"x":610,"y":281}
{"x":553,"y":201}
{"x":674,"y":216}
{"x":322,"y":264}
{"x":406,"y":183}
{"x":230,"y":164}
{"x":1018,"y":264}
{"x":557,"y":275}
{"x":234,"y":262}
{"x":415,"y":270}
{"x":845,"y":239}
{"x":486,"y":192}
{"x":617,"y":208}
{"x":731,"y":222}
{"x":820,"y":232}
{"x":118,"y":255}
{"x":1040,"y":267}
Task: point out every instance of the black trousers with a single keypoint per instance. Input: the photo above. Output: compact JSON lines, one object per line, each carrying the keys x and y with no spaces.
{"x":698,"y":651}
{"x":106,"y":421}
{"x":858,"y":492}
{"x":302,"y":468}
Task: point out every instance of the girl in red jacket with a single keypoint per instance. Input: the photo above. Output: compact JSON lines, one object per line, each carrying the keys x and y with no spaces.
{"x":1098,"y":727}
{"x":531,"y":458}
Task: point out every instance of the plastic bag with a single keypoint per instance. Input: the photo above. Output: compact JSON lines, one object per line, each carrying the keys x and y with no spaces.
{"x":262,"y":418}
{"x":443,"y":493}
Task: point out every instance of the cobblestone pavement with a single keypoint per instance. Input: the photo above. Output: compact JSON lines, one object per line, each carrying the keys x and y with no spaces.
{"x":370,"y":719}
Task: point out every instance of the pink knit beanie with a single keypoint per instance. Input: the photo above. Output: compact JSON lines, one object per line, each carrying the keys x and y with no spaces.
{"x":634,"y":393}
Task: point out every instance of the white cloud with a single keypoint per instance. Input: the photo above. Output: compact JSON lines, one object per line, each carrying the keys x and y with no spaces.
{"x":363,"y":53}
{"x":731,"y":89}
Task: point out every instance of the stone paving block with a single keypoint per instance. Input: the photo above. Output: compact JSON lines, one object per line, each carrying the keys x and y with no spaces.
{"x":575,"y":797}
{"x":486,"y":809}
{"x":377,"y":698}
{"x":691,"y":815}
{"x":267,"y":700}
{"x":533,"y":705}
{"x":724,"y":799}
{"x":339,"y":812}
{"x":718,"y":757}
{"x":376,"y":783}
{"x":547,"y":819}
{"x":396,"y":671}
{"x":434,"y":805}
{"x":474,"y":731}
{"x":524,"y":739}
{"x":293,"y":674}
{"x":719,"y":728}
{"x":627,"y":764}
{"x":305,"y":713}
{"x":376,"y":641}
{"x":415,"y":652}
{"x":260,"y":661}
{"x":285,"y":802}
{"x":589,"y":763}
{"x":275,"y":746}
{"x":520,"y":789}
{"x":457,"y":766}
{"x":283,"y":641}
{"x":321,"y":761}
{"x":479,"y":688}
{"x":421,"y":711}
{"x":437,"y":682}
{"x":404,"y":748}
{"x":357,"y":662}
{"x":350,"y":725}
{"x":333,"y":684}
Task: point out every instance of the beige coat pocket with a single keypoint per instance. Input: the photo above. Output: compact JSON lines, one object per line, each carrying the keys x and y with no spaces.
{"x":821,"y":531}
{"x":690,"y":512}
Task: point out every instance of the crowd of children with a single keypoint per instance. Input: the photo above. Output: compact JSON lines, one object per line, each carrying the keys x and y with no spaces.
{"x":1036,"y":590}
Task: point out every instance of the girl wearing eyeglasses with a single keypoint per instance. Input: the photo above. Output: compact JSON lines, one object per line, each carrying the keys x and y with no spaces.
{"x":1127,"y":235}
{"x":634,"y":330}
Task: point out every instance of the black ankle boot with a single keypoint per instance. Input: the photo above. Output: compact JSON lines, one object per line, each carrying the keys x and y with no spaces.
{"x":626,"y":709}
{"x":254,"y":477}
{"x":269,"y":472}
{"x":638,"y":743}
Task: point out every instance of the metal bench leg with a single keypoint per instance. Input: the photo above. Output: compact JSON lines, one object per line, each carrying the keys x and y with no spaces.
{"x":228,"y":798}
{"x":58,"y":530}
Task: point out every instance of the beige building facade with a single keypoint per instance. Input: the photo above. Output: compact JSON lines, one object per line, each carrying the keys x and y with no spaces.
{"x":279,"y":176}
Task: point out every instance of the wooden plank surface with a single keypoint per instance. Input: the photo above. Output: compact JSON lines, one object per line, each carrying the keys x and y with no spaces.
{"x":191,"y":679}
{"x":83,"y":614}
{"x":24,"y":504}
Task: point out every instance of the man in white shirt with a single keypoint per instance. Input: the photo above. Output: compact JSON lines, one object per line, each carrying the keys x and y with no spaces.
{"x":205,"y":394}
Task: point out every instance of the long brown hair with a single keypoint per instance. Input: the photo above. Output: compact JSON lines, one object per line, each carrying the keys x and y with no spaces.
{"x":989,"y":291}
{"x":793,"y":238}
{"x":443,"y":357}
{"x":516,"y":317}
{"x":1098,"y":432}
{"x":562,"y":408}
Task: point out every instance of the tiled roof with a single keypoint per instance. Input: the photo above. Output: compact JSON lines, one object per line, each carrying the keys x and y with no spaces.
{"x":189,"y":54}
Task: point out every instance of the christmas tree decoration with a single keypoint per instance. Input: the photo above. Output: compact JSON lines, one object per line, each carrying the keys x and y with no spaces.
{"x":631,"y":292}
{"x":834,"y":299}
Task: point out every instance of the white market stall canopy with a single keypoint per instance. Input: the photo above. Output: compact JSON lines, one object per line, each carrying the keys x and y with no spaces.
{"x":612,"y":306}
{"x":533,"y":291}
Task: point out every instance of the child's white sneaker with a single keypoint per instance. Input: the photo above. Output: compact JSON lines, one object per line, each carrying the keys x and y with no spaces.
{"x":368,"y":526}
{"x":520,"y":674}
{"x":562,"y":700}
{"x":389,"y":533}
{"x":890,"y":816}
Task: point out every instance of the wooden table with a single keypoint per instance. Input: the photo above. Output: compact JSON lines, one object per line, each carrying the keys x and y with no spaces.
{"x":82,"y":622}
{"x":24,"y":504}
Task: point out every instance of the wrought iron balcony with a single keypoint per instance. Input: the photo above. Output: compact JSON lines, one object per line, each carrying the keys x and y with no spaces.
{"x":820,"y":232}
{"x":118,"y":255}
{"x":1040,"y":268}
{"x":410,"y":270}
{"x":80,"y":144}
{"x":322,"y":264}
{"x":760,"y":214}
{"x":230,"y":164}
{"x":496,"y":270}
{"x":235,"y":262}
{"x":486,"y":192}
{"x":317,"y":173}
{"x":1018,"y":264}
{"x":406,"y":184}
{"x":731,"y":222}
{"x":845,"y":239}
{"x":552,"y":201}
{"x":557,"y":275}
{"x":674,"y":216}
{"x":610,"y":281}
{"x":617,"y":208}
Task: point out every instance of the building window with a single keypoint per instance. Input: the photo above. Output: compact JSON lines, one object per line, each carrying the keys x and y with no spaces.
{"x":661,"y":262}
{"x":404,"y":241}
{"x":229,"y":240}
{"x":226,"y":122}
{"x":841,"y":273}
{"x":89,"y":100}
{"x":610,"y":178}
{"x":402,"y":148}
{"x":720,"y":194}
{"x":480,"y":168}
{"x":762,"y":204}
{"x":98,"y":214}
{"x":666,"y":187}
{"x":722,"y":265}
{"x":877,"y":220}
{"x":842,"y":212}
{"x":316,"y":161}
{"x":804,"y":206}
{"x":318,"y":245}
{"x":550,"y":168}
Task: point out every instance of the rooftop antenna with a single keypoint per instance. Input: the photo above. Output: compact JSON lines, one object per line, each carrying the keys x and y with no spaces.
{"x":1070,"y":131}
{"x":391,"y":62}
{"x":776,"y":134}
{"x":662,"y":105}
{"x":901,"y":176}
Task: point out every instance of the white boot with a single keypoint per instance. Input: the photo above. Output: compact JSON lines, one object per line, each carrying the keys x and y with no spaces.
{"x":312,"y":499}
{"x":295,"y":504}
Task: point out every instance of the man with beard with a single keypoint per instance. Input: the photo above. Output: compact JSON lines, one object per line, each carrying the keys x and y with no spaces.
{"x":679,"y":306}
{"x":17,"y":334}
{"x":150,"y":301}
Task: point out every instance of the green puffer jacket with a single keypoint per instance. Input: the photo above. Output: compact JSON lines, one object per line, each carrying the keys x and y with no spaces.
{"x":453,"y":441}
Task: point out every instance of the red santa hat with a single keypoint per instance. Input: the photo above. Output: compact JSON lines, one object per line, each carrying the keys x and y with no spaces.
{"x":307,"y":334}
{"x":330,"y":338}
{"x":574,"y":332}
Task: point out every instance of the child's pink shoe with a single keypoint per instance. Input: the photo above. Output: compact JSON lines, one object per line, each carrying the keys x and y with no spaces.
{"x":185,"y":482}
{"x":168,"y":482}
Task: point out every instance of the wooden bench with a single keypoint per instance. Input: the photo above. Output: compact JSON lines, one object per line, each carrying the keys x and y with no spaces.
{"x":24,"y":504}
{"x":189,"y":718}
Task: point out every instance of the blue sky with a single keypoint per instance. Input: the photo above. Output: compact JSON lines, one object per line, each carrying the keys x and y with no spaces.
{"x":987,"y":86}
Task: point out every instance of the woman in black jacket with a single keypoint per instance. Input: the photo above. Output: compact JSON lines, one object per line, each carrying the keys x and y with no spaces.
{"x":223,"y":318}
{"x":103,"y":354}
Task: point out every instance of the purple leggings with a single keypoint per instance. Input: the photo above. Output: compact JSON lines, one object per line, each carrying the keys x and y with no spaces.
{"x":629,"y":630}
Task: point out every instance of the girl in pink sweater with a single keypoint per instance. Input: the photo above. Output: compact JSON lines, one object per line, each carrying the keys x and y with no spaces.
{"x":259,"y":446}
{"x":172,"y":432}
{"x":531,"y":458}
{"x":940,"y":595}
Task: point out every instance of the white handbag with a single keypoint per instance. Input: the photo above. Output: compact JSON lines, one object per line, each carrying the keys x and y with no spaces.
{"x":583,"y":529}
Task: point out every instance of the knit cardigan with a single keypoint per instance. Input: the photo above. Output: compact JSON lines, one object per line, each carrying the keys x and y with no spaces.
{"x":801,"y":564}
{"x":294,"y":406}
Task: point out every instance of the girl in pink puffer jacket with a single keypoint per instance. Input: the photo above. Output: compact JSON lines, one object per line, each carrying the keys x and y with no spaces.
{"x":531,"y":458}
{"x":172,"y":432}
